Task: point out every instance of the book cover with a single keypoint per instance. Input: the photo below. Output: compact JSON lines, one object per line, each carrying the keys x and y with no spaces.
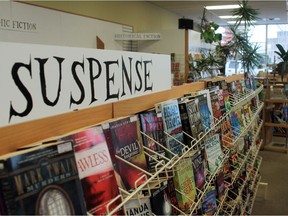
{"x":221,"y":98}
{"x":128,"y":145}
{"x":204,"y":111}
{"x":186,"y":127}
{"x":160,"y":200}
{"x":220,"y":186}
{"x":185,"y":183}
{"x":213,"y":152}
{"x":209,"y":204}
{"x":195,"y":118}
{"x":235,"y":124}
{"x":199,"y":165}
{"x":173,"y":197}
{"x":95,"y":169}
{"x":138,"y":207}
{"x":42,"y":180}
{"x":152,"y":126}
{"x":206,"y":93}
{"x":216,"y":108}
{"x":226,"y":133}
{"x":169,"y":111}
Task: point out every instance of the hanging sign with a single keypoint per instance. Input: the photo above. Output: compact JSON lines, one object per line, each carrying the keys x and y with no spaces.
{"x":39,"y":81}
{"x":138,"y":36}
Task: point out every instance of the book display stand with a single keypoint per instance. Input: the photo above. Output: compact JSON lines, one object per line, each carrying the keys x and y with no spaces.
{"x":232,"y":200}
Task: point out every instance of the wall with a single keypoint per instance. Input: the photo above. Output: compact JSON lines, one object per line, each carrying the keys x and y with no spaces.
{"x":55,"y":27}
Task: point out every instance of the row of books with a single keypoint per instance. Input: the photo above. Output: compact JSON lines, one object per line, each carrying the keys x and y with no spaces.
{"x":85,"y":170}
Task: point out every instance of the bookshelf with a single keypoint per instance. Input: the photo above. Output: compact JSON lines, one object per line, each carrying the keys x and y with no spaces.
{"x":41,"y":129}
{"x":275,"y":124}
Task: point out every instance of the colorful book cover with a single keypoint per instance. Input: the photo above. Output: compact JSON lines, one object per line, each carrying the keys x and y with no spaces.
{"x":152,"y":126}
{"x":170,"y":113}
{"x":213,"y":152}
{"x":221,"y":98}
{"x":204,"y":111}
{"x":42,"y":180}
{"x":206,"y":93}
{"x":199,"y":165}
{"x":216,"y":108}
{"x":209,"y":204}
{"x":226,"y":132}
{"x":138,"y":207}
{"x":173,"y":195}
{"x":128,"y":145}
{"x":220,"y":186}
{"x":195,"y":118}
{"x":160,"y":200}
{"x":185,"y":183}
{"x":95,"y":169}
{"x":235,"y":124}
{"x":186,"y":127}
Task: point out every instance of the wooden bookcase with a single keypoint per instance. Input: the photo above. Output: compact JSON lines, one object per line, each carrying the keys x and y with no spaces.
{"x":274,"y":99}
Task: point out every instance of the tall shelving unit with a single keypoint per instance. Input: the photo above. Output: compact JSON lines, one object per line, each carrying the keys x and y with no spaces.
{"x":38,"y":130}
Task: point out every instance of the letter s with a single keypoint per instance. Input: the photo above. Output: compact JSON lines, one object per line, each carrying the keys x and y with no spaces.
{"x":22,"y":88}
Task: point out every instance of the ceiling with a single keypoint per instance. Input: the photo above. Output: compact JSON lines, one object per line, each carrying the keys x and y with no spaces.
{"x":270,"y":12}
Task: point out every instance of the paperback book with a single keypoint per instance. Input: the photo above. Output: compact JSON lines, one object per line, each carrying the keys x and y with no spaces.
{"x":95,"y":169}
{"x":235,"y":124}
{"x":160,"y":200}
{"x":42,"y":180}
{"x":209,"y":204}
{"x":213,"y":152}
{"x":204,"y":111}
{"x":199,"y":165}
{"x":169,"y":111}
{"x":152,"y":126}
{"x":217,"y":114}
{"x":195,"y":118}
{"x":128,"y":147}
{"x":138,"y":207}
{"x":185,"y":183}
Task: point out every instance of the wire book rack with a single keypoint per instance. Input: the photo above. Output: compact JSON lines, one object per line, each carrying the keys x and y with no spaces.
{"x":165,"y":166}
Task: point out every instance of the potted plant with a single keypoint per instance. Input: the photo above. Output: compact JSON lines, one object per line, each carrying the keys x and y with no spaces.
{"x":283,"y":55}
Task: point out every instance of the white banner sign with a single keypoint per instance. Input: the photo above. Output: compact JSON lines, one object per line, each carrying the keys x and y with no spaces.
{"x":138,"y":36}
{"x":39,"y":81}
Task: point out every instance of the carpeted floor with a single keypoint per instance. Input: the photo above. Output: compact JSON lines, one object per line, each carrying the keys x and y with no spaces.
{"x":274,"y":171}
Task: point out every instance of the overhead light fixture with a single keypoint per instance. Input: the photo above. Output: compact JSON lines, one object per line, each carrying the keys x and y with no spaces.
{"x":233,"y":22}
{"x":228,"y":17}
{"x":222,"y":7}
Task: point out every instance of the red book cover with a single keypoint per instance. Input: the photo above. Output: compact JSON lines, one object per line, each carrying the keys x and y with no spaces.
{"x":127,"y":143}
{"x":95,"y":169}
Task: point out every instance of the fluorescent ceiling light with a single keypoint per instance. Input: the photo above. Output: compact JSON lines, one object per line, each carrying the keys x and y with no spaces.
{"x":228,"y":17}
{"x":222,"y":7}
{"x":233,"y":22}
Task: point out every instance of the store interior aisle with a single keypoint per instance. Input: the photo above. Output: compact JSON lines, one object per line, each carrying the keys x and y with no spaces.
{"x":274,"y":171}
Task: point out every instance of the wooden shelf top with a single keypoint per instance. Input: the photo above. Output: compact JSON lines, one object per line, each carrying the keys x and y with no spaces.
{"x":276,"y":125}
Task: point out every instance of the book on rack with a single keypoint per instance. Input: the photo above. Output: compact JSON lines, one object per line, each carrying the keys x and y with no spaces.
{"x":138,"y":207}
{"x":160,"y":200}
{"x":129,"y":152}
{"x":224,"y":101}
{"x":173,"y":195}
{"x":152,"y":126}
{"x":205,"y":113}
{"x":184,"y":182}
{"x":235,"y":124}
{"x":95,"y":169}
{"x":186,"y":126}
{"x":170,"y":113}
{"x":226,"y":132}
{"x":216,"y":108}
{"x":42,"y":180}
{"x":209,"y":204}
{"x":199,"y":166}
{"x":213,"y":152}
{"x":220,"y":186}
{"x":206,"y":93}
